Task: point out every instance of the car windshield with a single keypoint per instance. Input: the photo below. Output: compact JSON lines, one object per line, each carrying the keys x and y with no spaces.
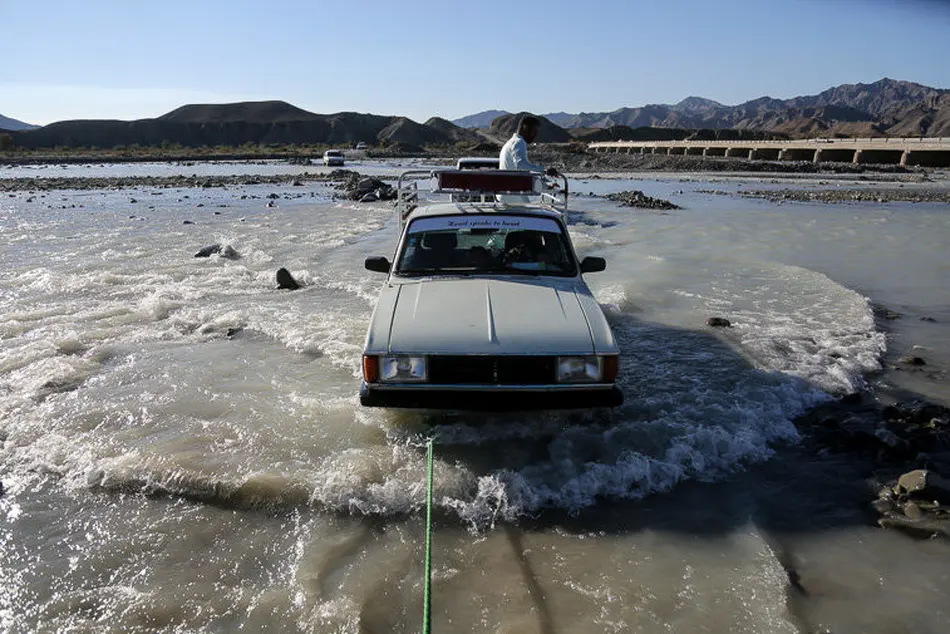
{"x":507,"y":244}
{"x":334,"y":153}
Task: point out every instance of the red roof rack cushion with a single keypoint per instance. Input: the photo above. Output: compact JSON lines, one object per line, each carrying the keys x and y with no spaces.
{"x":486,"y":181}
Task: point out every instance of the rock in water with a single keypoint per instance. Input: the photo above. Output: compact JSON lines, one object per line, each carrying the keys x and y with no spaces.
{"x":636,"y":198}
{"x":922,"y":484}
{"x":229,"y":253}
{"x":208,"y":251}
{"x":718,"y":322}
{"x":286,"y":280}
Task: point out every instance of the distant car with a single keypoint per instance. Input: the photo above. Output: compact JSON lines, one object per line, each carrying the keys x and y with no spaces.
{"x":360,"y":146}
{"x":477,"y":163}
{"x":333,"y":157}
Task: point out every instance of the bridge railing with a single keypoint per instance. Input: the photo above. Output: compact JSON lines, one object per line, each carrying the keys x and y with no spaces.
{"x":897,"y":141}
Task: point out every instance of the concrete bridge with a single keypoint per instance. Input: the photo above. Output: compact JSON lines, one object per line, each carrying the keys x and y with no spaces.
{"x":931,"y":152}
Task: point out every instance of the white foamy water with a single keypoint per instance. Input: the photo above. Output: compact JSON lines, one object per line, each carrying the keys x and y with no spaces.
{"x":203,"y":427}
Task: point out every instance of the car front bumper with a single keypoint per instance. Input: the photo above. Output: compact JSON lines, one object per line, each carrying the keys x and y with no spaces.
{"x":494,"y":398}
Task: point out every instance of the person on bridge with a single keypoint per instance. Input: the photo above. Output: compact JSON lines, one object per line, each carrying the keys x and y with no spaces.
{"x":514,"y":154}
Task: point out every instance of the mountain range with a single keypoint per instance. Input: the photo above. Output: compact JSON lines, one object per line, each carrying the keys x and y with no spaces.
{"x":886,"y":107}
{"x":259,"y":122}
{"x":6,"y":123}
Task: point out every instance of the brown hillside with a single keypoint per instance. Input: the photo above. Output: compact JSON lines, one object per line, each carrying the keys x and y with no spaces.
{"x":403,"y":130}
{"x":929,"y":118}
{"x":507,"y":124}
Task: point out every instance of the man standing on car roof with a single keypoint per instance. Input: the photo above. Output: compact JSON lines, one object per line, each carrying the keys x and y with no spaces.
{"x":514,"y":154}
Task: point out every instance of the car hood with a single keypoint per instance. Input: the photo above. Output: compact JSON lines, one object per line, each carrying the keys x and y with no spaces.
{"x":489,"y":316}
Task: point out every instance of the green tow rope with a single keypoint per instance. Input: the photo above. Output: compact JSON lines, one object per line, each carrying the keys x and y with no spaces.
{"x":427,"y":609}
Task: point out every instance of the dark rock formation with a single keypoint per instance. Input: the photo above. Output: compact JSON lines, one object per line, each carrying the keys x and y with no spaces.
{"x":286,"y":281}
{"x":636,"y":198}
{"x":917,"y":504}
{"x":718,"y":322}
{"x":366,"y":189}
{"x":208,"y":251}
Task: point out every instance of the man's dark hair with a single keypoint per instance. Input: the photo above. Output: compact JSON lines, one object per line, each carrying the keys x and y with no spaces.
{"x":529,"y":120}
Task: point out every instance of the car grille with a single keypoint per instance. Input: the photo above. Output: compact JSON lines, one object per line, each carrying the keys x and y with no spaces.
{"x":471,"y":370}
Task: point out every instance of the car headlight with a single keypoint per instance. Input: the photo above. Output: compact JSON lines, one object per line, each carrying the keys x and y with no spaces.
{"x":578,"y":369}
{"x":398,"y":369}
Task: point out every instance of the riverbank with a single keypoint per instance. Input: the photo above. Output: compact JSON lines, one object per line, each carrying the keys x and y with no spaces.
{"x":158,"y":182}
{"x":571,"y":157}
{"x":873,"y":195}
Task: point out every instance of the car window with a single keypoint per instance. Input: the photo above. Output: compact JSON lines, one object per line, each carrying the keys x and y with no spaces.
{"x":479,"y":244}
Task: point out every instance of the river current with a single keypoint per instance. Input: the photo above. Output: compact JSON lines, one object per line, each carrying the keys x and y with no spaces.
{"x":183,"y":449}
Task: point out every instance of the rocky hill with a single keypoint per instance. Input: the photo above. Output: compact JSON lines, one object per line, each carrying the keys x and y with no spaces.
{"x":480,"y":119}
{"x":6,"y":124}
{"x":267,"y":122}
{"x":454,"y":133}
{"x":504,"y":126}
{"x":930,"y":117}
{"x":407,"y":131}
{"x":880,"y":108}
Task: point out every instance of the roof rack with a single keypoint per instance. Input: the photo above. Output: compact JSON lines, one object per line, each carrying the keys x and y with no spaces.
{"x":496,"y":187}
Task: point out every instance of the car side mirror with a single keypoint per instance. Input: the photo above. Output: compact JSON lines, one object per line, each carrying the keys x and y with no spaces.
{"x":378,"y":264}
{"x":591,"y":264}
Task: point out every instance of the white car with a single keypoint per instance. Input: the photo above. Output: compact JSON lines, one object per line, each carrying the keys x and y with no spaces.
{"x":484,"y":307}
{"x":333,"y":157}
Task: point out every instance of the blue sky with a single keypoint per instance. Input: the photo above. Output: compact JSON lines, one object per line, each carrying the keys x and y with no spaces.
{"x":130,"y":59}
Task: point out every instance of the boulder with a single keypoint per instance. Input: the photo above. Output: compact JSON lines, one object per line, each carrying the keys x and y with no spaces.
{"x":208,"y":251}
{"x":229,"y":253}
{"x":923,"y":484}
{"x":366,"y":189}
{"x":342,"y":175}
{"x":286,"y":281}
{"x":636,"y":198}
{"x":719,"y":322}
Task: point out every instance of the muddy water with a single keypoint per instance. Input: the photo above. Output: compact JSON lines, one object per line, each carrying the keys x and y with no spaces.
{"x":184,"y":451}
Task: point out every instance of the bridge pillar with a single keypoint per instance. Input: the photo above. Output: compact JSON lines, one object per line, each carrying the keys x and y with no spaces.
{"x":930,"y":158}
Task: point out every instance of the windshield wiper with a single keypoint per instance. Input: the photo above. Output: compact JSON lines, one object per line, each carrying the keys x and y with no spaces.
{"x":418,"y":271}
